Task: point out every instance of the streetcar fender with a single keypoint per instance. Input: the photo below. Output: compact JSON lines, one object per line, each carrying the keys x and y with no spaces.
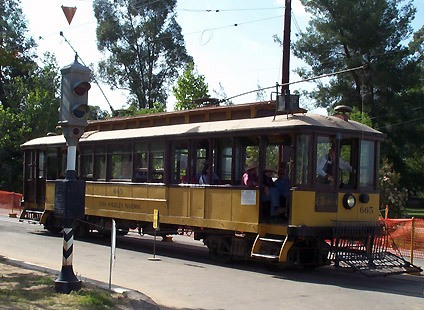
{"x":282,"y":258}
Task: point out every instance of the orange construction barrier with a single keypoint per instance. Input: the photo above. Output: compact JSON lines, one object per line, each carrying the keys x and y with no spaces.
{"x":10,"y":200}
{"x":407,"y":235}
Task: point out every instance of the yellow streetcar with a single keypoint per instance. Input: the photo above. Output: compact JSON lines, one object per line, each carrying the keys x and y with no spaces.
{"x":190,"y":165}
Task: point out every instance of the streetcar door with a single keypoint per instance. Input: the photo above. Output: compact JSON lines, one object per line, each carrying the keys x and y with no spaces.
{"x":29,"y":178}
{"x":41,"y":177}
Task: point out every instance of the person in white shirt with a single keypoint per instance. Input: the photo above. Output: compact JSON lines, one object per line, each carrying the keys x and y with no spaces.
{"x":325,"y":166}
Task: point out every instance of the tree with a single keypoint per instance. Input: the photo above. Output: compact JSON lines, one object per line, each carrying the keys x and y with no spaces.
{"x":391,"y":193}
{"x":15,"y":48}
{"x":32,"y":112}
{"x":349,"y":33}
{"x":96,"y":113}
{"x":190,"y":85}
{"x":29,"y":98}
{"x":144,"y":47}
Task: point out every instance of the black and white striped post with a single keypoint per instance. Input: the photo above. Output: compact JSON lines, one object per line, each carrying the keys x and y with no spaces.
{"x":67,"y":281}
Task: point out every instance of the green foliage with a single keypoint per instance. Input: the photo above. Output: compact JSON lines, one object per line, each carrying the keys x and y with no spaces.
{"x":29,"y":98}
{"x":361,"y":117}
{"x":144,"y":48}
{"x":260,"y":94}
{"x":391,"y":192}
{"x":339,"y":37}
{"x":133,"y":110}
{"x":190,"y":85}
{"x":349,"y":33}
{"x":96,"y":113}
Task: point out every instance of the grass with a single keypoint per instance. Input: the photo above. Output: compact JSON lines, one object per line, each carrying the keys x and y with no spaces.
{"x":20,"y":290}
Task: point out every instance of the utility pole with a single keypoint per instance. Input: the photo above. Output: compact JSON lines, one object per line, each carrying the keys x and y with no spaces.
{"x":286,"y":47}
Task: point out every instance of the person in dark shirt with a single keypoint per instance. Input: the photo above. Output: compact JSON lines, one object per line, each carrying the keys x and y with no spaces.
{"x":250,"y":177}
{"x":270,"y":192}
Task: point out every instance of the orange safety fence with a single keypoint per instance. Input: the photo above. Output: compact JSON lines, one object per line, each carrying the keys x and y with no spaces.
{"x":10,"y":200}
{"x":407,"y":235}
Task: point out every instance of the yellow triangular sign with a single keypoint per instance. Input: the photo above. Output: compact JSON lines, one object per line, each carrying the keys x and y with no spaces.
{"x":69,"y":13}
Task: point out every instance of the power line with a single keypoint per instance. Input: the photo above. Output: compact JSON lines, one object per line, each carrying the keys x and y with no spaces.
{"x":401,"y":123}
{"x":296,"y":82}
{"x":390,"y":114}
{"x":228,"y":10}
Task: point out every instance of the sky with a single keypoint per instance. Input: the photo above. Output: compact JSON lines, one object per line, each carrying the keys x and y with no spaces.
{"x":238,"y":58}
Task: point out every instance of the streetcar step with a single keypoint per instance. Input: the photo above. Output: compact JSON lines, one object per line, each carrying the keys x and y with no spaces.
{"x":271,"y":240}
{"x":264,"y":256}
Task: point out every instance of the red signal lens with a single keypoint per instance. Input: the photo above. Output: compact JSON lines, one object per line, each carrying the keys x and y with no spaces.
{"x":79,"y":90}
{"x":82,"y":88}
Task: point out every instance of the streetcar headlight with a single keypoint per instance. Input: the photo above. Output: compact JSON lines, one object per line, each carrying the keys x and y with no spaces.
{"x":349,"y":201}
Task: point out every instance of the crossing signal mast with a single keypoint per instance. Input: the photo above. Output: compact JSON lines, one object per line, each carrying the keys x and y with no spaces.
{"x":69,"y":202}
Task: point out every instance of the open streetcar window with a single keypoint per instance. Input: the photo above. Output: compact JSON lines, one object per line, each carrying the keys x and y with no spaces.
{"x":348,"y":163}
{"x":149,"y":162}
{"x":157,"y":153}
{"x":180,"y":155}
{"x":141,"y":162}
{"x":325,"y":160}
{"x":199,"y":158}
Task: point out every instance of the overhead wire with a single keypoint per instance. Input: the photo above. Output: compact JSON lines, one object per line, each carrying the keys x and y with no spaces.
{"x":402,"y":123}
{"x":229,"y":10}
{"x":295,"y":82}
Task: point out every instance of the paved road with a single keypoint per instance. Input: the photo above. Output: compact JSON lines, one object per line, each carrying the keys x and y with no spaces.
{"x":186,"y":278}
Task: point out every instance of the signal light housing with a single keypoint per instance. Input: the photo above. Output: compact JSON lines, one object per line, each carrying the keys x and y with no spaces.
{"x":74,"y":101}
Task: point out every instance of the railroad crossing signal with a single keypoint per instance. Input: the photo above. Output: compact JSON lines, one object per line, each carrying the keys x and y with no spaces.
{"x":74,"y":101}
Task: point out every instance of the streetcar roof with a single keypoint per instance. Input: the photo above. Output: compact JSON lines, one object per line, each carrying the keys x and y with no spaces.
{"x":240,"y":126}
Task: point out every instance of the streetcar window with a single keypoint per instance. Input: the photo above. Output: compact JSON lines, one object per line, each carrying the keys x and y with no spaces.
{"x":367,"y":169}
{"x":271,"y":157}
{"x":325,"y":160}
{"x":52,"y":164}
{"x":225,"y":158}
{"x":200,"y":154}
{"x":347,"y":163}
{"x":63,"y":165}
{"x":157,"y":151}
{"x":180,"y":154}
{"x":29,"y":164}
{"x":100,"y":162}
{"x":141,"y":162}
{"x":86,"y":160}
{"x":41,"y":165}
{"x":149,"y":162}
{"x":303,"y":154}
{"x":120,"y":162}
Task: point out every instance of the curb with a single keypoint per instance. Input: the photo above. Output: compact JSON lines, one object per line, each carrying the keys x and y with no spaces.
{"x":138,"y":300}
